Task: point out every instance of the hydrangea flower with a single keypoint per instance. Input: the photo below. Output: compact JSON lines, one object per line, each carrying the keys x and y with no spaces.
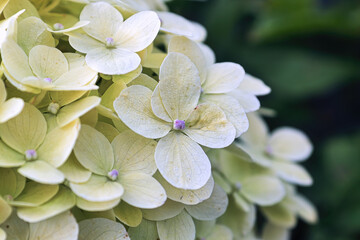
{"x":172,"y":113}
{"x":110,"y":44}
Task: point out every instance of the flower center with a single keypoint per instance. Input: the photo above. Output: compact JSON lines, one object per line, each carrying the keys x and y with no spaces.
{"x":58,"y":26}
{"x":53,"y":108}
{"x":109,"y":42}
{"x":113,"y":174}
{"x":31,"y":154}
{"x":179,"y":124}
{"x":48,"y":80}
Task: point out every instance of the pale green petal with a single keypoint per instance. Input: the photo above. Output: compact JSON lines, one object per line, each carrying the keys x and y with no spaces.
{"x":18,"y":229}
{"x":292,"y":173}
{"x":241,"y":202}
{"x":182,"y":162}
{"x":98,"y":189}
{"x":233,"y":110}
{"x":77,"y":79}
{"x":179,"y":86}
{"x":192,"y":50}
{"x":3,"y":5}
{"x":138,"y":31}
{"x":134,"y":109}
{"x":109,"y":214}
{"x":5,"y":210}
{"x":59,"y":143}
{"x":134,"y":153}
{"x":15,"y":60}
{"x":181,"y":227}
{"x":9,"y":157}
{"x":82,"y":42}
{"x":158,"y":106}
{"x":47,"y":62}
{"x":3,"y":93}
{"x":146,"y":230}
{"x":221,"y":232}
{"x":169,"y":210}
{"x":142,"y":190}
{"x":280,"y":215}
{"x":32,"y":32}
{"x":222,"y":182}
{"x":10,"y":109}
{"x":256,"y":155}
{"x":74,"y":171}
{"x":112,"y":61}
{"x":127,"y":214}
{"x":127,"y":78}
{"x":208,"y":126}
{"x":96,"y":206}
{"x":19,"y":86}
{"x":102,"y":229}
{"x":63,"y":201}
{"x":290,"y":144}
{"x":71,"y":28}
{"x":305,"y":209}
{"x":11,"y":182}
{"x":257,"y":134}
{"x":90,"y":118}
{"x":223,"y":77}
{"x":254,"y":85}
{"x":35,"y":194}
{"x":42,"y":172}
{"x":26,"y":131}
{"x":108,"y":130}
{"x":2,"y":234}
{"x":16,"y":5}
{"x":65,"y":97}
{"x":263,"y":190}
{"x":188,"y":197}
{"x":107,"y":113}
{"x":8,"y":27}
{"x":104,"y":20}
{"x":248,"y":101}
{"x":154,"y":60}
{"x":204,"y":228}
{"x":94,"y":151}
{"x":273,"y":232}
{"x":111,"y":94}
{"x":76,"y":109}
{"x":144,"y":80}
{"x":211,"y":208}
{"x":60,"y":227}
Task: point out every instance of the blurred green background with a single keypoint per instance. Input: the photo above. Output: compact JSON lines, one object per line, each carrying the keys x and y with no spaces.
{"x":308,"y":51}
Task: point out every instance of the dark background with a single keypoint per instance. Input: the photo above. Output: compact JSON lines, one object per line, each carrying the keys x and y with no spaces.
{"x":308,"y":52}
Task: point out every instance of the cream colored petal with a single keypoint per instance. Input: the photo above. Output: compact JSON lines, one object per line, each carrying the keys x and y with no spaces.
{"x":61,"y":202}
{"x":41,"y":172}
{"x":2,"y":234}
{"x":146,"y":230}
{"x":74,"y":171}
{"x":134,"y":153}
{"x":37,"y":83}
{"x":290,"y":144}
{"x":32,"y":31}
{"x":223,"y":77}
{"x":188,"y":197}
{"x":192,"y":50}
{"x":179,"y":85}
{"x":158,"y":106}
{"x":292,"y":173}
{"x":11,"y":182}
{"x":5,"y":210}
{"x":127,"y":78}
{"x":16,"y":5}
{"x":182,"y":162}
{"x":181,"y":227}
{"x":273,"y":232}
{"x":112,"y":61}
{"x":35,"y":194}
{"x":9,"y":25}
{"x":94,"y":151}
{"x":208,"y":126}
{"x":76,"y":79}
{"x":61,"y":227}
{"x":134,"y":108}
{"x":102,"y":229}
{"x":208,"y":52}
{"x":98,"y":189}
{"x":9,"y":157}
{"x":19,"y":85}
{"x":82,"y":42}
{"x":248,"y":101}
{"x":254,"y":86}
{"x":138,"y":31}
{"x":211,"y":208}
{"x":232,"y":109}
{"x":257,"y":134}
{"x":104,"y":20}
{"x":10,"y":109}
{"x":71,"y":112}
{"x":96,"y":206}
{"x":142,"y":190}
{"x":111,"y":94}
{"x":168,"y":210}
{"x":127,"y":214}
{"x":26,"y":131}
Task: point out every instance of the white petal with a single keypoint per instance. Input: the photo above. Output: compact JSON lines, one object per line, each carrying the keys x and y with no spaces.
{"x":182,"y":162}
{"x":257,"y":133}
{"x":254,"y":85}
{"x":11,"y":108}
{"x":248,"y":101}
{"x":292,"y":173}
{"x":290,"y":144}
{"x":82,"y":42}
{"x":158,"y":106}
{"x":181,"y":227}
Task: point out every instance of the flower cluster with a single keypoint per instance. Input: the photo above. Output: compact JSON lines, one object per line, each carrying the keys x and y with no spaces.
{"x":116,"y":122}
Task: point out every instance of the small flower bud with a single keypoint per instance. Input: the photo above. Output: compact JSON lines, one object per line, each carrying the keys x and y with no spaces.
{"x":31,"y":154}
{"x":179,"y":124}
{"x":48,"y":80}
{"x":58,"y":26}
{"x":53,"y":108}
{"x":109,"y":42}
{"x":238,"y":185}
{"x":113,"y":174}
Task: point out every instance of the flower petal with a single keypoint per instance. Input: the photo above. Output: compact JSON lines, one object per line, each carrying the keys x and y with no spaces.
{"x":82,"y":42}
{"x":273,"y":232}
{"x":102,"y":229}
{"x":9,"y":157}
{"x":254,"y":85}
{"x":74,"y":171}
{"x":41,"y":172}
{"x":35,"y":194}
{"x":11,"y":182}
{"x":280,"y":215}
{"x":257,"y":134}
{"x":146,"y":230}
{"x":248,"y":101}
{"x":108,"y":130}
{"x":76,"y":79}
{"x":5,"y":210}
{"x":134,"y":108}
{"x":127,"y":214}
{"x":96,"y":206}
{"x":158,"y":106}
{"x":208,"y":126}
{"x":181,"y":227}
{"x":17,"y":228}
{"x":179,"y":85}
{"x":16,"y":5}
{"x":168,"y":210}
{"x":220,"y":232}
{"x":292,"y":173}
{"x":10,"y":109}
